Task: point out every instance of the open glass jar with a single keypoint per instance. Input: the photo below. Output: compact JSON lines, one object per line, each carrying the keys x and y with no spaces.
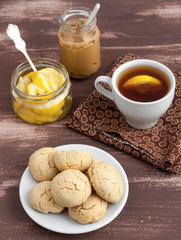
{"x":41,"y":108}
{"x":79,"y":43}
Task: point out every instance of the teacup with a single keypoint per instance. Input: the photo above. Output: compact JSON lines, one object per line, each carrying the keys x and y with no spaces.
{"x":140,"y":114}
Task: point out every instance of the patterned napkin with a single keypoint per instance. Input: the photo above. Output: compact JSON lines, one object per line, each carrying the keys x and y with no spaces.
{"x":160,"y":145}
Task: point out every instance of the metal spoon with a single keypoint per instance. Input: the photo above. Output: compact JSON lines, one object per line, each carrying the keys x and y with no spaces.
{"x":82,"y":22}
{"x":14,"y":33}
{"x":93,"y":14}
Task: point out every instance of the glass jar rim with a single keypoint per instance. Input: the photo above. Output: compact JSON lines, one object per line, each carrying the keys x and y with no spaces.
{"x":45,"y":61}
{"x":81,"y":28}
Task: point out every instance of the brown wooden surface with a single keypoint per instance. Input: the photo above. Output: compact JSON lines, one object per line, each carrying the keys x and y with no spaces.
{"x":148,"y":28}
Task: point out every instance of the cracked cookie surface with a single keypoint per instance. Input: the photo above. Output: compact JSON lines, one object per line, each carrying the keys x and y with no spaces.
{"x":106,"y":181}
{"x":41,"y":199}
{"x":89,"y":212}
{"x":73,"y":159}
{"x":70,"y":188}
{"x":42,"y":166}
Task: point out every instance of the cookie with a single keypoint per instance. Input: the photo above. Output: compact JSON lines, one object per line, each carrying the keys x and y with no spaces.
{"x":41,"y":199}
{"x":106,"y":181}
{"x":89,"y":212}
{"x":42,"y":166}
{"x":70,"y":188}
{"x":79,"y":159}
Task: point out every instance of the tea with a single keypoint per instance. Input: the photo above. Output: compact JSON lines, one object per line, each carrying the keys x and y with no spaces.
{"x":143,"y":84}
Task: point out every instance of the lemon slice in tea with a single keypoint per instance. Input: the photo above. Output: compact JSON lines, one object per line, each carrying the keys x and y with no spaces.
{"x":141,"y":79}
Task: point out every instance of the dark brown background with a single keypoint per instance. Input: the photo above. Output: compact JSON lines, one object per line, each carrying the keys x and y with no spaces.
{"x":148,"y":28}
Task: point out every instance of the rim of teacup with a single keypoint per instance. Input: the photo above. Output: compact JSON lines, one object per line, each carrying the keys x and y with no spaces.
{"x":144,"y":62}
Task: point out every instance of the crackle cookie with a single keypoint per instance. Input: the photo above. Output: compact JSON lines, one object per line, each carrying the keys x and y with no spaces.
{"x":70,"y":188}
{"x":89,"y":212}
{"x":73,"y":159}
{"x":106,"y":181}
{"x":41,"y":199}
{"x":41,"y":164}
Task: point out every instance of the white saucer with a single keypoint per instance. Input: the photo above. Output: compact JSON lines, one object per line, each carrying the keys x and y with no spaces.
{"x":61,"y":222}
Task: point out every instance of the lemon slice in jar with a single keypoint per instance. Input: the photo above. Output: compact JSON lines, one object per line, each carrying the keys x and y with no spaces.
{"x":28,"y":75}
{"x":23,"y":83}
{"x":48,"y":79}
{"x":53,"y":75}
{"x":33,"y":89}
{"x":41,"y":81}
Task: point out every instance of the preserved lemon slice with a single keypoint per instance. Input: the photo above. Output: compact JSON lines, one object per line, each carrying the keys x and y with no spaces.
{"x":23,"y":83}
{"x":53,"y":74}
{"x":27,"y":115}
{"x":51,"y":110}
{"x":16,"y":105}
{"x":41,"y":80}
{"x":48,"y":79}
{"x":33,"y":89}
{"x":140,"y":80}
{"x":28,"y":75}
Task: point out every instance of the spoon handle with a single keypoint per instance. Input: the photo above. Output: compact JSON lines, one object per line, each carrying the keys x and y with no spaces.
{"x":14,"y":33}
{"x":93,"y":14}
{"x":29,"y":59}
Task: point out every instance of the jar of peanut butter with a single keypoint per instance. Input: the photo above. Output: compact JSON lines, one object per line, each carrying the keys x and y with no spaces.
{"x":79,"y":42}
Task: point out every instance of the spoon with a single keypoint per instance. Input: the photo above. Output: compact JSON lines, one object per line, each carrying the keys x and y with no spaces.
{"x":14,"y":33}
{"x":93,"y":14}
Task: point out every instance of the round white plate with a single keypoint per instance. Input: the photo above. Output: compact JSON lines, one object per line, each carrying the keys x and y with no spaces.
{"x":61,"y":222}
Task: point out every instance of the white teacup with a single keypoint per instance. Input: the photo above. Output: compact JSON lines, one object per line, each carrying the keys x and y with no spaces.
{"x":139,"y":115}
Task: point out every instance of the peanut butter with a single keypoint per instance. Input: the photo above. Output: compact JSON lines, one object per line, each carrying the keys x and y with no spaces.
{"x":79,"y":46}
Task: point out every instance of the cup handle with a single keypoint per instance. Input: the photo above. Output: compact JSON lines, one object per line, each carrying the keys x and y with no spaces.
{"x":102,"y":90}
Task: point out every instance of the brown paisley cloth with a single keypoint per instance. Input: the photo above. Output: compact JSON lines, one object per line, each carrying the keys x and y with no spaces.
{"x":160,"y":145}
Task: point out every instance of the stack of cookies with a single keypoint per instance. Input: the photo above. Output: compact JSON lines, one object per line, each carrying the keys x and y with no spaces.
{"x":75,"y":180}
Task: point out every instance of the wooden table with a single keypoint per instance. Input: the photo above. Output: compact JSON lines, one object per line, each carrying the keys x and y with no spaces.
{"x":150,"y":29}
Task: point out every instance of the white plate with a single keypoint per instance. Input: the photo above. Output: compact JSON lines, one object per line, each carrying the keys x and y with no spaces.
{"x":62,"y":223}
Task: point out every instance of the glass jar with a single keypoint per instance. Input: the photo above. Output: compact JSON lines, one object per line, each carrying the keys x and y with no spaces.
{"x":42,"y":108}
{"x":79,"y":43}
